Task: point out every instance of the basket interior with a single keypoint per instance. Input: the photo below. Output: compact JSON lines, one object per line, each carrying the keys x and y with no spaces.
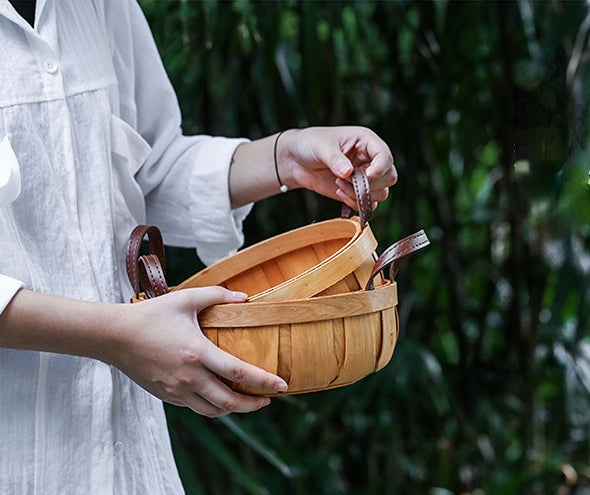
{"x":277,"y":270}
{"x":272,"y":262}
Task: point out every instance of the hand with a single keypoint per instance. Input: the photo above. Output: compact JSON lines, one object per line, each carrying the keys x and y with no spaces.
{"x":167,"y":354}
{"x":322,"y":159}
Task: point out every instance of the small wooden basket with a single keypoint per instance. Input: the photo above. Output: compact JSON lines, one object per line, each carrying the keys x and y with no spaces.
{"x":327,"y":257}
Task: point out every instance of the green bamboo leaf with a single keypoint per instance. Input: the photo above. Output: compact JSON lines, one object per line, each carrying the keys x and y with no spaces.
{"x":257,"y":445}
{"x":315,"y":70}
{"x":212,"y":443}
{"x":190,"y":481}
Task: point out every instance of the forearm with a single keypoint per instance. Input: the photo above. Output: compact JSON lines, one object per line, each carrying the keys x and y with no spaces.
{"x":157,"y":343}
{"x":40,"y":322}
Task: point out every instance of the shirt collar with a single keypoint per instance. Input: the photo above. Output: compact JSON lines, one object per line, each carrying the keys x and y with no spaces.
{"x":39,"y":10}
{"x":7,"y":10}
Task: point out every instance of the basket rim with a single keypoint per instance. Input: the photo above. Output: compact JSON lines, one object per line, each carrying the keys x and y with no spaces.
{"x":363,"y":238}
{"x":352,"y":255}
{"x":272,"y":313}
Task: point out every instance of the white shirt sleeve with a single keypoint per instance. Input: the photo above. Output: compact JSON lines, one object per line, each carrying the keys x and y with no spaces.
{"x":185,"y":178}
{"x":8,"y":288}
{"x":193,"y":205}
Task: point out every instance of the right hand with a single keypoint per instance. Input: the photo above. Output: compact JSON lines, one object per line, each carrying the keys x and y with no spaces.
{"x":164,"y":351}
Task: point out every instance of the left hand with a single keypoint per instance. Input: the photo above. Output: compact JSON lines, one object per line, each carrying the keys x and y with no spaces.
{"x":322,"y":159}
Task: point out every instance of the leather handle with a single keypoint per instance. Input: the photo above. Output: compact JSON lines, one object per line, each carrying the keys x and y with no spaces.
{"x":360,"y":182}
{"x":395,"y":254}
{"x":151,"y":275}
{"x":155,"y":246}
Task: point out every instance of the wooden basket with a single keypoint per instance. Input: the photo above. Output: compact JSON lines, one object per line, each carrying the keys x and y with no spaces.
{"x":313,"y":344}
{"x":321,"y":314}
{"x":327,"y":257}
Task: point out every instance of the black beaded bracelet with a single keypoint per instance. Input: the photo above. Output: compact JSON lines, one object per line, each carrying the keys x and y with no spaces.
{"x":283,"y":187}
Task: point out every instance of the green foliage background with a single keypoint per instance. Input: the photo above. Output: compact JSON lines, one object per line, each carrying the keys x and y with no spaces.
{"x":485,"y":106}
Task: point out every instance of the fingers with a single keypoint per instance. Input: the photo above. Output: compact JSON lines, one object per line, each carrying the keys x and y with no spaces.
{"x":211,"y":396}
{"x":359,"y":147}
{"x":203,"y":297}
{"x":208,"y":395}
{"x":219,"y":400}
{"x":204,"y":407}
{"x":235,"y":370}
{"x":379,"y":191}
{"x":215,"y":397}
{"x":366,"y":149}
{"x":222,"y":363}
{"x":378,"y":159}
{"x":347,"y":190}
{"x":339,"y":164}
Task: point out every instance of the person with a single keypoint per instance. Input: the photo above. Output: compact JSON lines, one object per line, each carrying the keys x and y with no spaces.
{"x":91,"y":145}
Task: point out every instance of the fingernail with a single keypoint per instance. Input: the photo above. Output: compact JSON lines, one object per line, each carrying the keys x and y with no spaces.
{"x":344,"y":169}
{"x":281,"y":386}
{"x":239,"y":295}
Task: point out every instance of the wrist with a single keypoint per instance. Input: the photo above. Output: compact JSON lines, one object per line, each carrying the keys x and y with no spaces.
{"x":287,"y":158}
{"x":110,"y":332}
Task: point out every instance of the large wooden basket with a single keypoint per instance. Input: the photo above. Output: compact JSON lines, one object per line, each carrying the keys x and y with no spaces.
{"x":320,"y":313}
{"x":313,"y":344}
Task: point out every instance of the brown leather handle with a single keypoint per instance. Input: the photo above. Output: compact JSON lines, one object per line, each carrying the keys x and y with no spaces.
{"x":360,"y":182}
{"x":396,"y":254}
{"x":151,"y":275}
{"x":155,"y":246}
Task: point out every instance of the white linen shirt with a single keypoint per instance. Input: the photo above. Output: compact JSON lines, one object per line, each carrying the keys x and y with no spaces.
{"x":90,"y":146}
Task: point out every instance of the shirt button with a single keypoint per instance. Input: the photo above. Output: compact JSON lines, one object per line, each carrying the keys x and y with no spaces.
{"x":118,"y":447}
{"x":50,"y":66}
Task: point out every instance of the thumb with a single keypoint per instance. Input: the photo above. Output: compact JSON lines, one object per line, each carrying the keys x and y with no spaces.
{"x":203,"y":297}
{"x":339,"y":164}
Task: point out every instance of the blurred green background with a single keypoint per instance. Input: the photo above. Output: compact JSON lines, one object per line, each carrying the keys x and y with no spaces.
{"x":485,"y":107}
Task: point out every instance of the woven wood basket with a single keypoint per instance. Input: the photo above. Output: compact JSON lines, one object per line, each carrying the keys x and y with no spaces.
{"x":327,"y":257}
{"x":322,"y":315}
{"x":313,"y":344}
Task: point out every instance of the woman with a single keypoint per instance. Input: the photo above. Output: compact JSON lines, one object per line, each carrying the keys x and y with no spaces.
{"x":90,"y":146}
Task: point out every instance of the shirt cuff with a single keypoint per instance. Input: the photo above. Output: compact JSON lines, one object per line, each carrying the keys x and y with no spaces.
{"x":197,"y":210}
{"x":218,"y":229}
{"x":8,"y":288}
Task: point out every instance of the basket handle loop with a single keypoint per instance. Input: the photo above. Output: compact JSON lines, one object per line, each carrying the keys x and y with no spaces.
{"x":151,"y":274}
{"x":155,"y":246}
{"x":360,"y":182}
{"x":395,"y":254}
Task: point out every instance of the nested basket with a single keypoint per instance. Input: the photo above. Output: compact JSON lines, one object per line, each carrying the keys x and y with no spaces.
{"x":327,"y":257}
{"x":320,"y":313}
